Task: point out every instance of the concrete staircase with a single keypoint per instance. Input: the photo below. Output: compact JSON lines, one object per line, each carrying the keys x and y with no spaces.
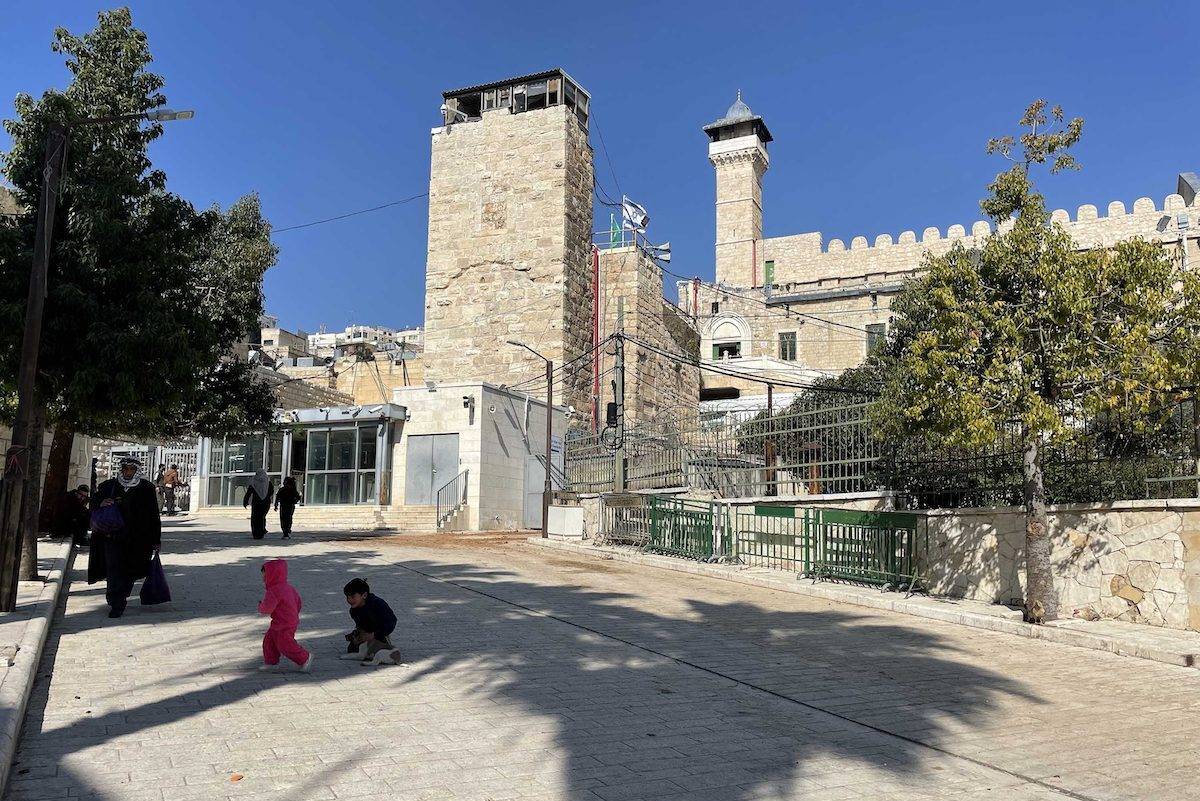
{"x":340,"y":518}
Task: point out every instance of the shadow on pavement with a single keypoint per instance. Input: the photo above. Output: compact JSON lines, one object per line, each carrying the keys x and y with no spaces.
{"x":594,"y":671}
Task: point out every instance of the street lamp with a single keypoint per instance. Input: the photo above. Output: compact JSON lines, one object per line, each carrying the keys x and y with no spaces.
{"x":547,"y":490}
{"x":16,"y":471}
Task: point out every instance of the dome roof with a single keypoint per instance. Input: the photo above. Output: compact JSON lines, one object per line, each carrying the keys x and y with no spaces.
{"x":738,"y":111}
{"x":737,"y":114}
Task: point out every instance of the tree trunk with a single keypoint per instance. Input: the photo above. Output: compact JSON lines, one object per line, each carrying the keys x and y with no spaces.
{"x":58,"y":472}
{"x":1041,"y":599}
{"x":30,"y":503}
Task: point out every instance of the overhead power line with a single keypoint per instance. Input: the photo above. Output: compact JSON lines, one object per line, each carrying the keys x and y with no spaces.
{"x":351,"y":214}
{"x":690,"y":361}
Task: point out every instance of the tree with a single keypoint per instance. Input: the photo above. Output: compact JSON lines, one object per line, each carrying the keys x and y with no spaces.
{"x":147,"y":295}
{"x":1030,"y":335}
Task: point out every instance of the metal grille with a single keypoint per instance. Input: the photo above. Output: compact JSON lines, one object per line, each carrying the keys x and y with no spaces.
{"x":826,"y":443}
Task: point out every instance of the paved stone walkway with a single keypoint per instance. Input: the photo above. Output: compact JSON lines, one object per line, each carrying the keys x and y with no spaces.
{"x":535,"y":675}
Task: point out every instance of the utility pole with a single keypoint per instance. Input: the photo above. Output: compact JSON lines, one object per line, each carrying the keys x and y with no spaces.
{"x":619,"y":398}
{"x":16,"y":463}
{"x":548,"y":489}
{"x":17,"y":460}
{"x":549,"y":449}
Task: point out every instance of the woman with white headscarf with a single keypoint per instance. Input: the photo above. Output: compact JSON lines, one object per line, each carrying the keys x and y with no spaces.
{"x":258,"y":498}
{"x":122,"y":556}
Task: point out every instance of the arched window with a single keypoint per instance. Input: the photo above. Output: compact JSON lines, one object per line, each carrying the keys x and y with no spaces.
{"x":729,"y":338}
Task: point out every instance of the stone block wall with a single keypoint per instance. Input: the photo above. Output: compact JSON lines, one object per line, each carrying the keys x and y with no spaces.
{"x":739,"y":213}
{"x":1136,"y":561}
{"x":655,"y":385}
{"x":510,"y":218}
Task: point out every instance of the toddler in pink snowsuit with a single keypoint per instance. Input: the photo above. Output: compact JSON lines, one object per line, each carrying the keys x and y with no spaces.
{"x":282,"y":603}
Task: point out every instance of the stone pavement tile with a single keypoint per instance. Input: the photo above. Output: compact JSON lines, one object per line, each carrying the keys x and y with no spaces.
{"x":500,"y":701}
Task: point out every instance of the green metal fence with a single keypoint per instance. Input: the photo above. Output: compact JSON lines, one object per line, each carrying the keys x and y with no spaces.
{"x":886,"y":549}
{"x":883,"y":548}
{"x":682,"y":528}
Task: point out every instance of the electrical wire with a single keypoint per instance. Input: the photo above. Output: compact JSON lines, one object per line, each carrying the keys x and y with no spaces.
{"x":350,"y":214}
{"x":730,"y":373}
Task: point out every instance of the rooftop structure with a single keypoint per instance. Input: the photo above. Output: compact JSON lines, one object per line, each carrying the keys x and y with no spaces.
{"x":523,"y":93}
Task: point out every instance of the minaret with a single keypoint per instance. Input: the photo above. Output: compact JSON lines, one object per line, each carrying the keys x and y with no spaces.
{"x":737,"y":149}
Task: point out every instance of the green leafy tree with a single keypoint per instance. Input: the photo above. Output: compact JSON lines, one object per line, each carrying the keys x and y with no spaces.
{"x":147,"y":295}
{"x":1030,"y":335}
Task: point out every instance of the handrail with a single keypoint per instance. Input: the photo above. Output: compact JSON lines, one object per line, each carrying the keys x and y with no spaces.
{"x":451,"y":496}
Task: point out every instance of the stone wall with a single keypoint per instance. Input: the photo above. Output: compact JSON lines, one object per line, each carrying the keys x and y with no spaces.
{"x":1137,"y":561}
{"x":655,"y":385}
{"x":803,"y":258}
{"x":509,"y":257}
{"x":361,"y":381}
{"x":296,"y":394}
{"x":739,"y":175}
{"x":822,"y":346}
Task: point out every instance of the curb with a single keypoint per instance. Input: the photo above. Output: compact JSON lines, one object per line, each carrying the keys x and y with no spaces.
{"x":1002,"y":620}
{"x":17,"y":684}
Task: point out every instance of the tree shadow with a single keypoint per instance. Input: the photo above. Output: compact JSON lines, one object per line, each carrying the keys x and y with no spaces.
{"x":578,"y":693}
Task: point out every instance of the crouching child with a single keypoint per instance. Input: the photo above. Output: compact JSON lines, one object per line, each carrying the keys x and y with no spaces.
{"x":374,"y":623}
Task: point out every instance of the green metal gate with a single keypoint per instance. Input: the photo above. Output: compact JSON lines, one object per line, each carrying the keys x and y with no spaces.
{"x":682,"y":528}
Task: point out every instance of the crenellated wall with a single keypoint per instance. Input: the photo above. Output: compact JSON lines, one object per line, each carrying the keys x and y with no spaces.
{"x":805,"y":258}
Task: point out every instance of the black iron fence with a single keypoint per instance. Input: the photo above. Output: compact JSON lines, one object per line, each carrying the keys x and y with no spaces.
{"x":825,"y":443}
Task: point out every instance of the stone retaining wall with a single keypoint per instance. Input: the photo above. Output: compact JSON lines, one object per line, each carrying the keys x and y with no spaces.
{"x":1137,"y":561}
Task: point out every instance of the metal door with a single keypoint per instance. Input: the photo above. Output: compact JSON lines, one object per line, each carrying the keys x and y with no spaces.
{"x":431,"y":462}
{"x":535,"y":485}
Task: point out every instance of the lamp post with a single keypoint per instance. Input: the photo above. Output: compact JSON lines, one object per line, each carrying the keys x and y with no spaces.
{"x":16,"y":463}
{"x":548,"y":489}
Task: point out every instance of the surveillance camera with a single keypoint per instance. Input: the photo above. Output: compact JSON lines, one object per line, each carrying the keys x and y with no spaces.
{"x":468,"y":401}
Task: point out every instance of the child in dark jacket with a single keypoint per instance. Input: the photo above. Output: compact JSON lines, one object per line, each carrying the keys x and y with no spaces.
{"x":374,"y":623}
{"x":282,"y":603}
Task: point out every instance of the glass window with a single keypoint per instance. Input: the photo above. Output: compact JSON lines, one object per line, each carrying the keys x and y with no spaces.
{"x":769,"y":272}
{"x":876,"y":336}
{"x":341,"y":449}
{"x":489,"y":100}
{"x":518,"y":104}
{"x":553,"y":91}
{"x":727,"y":350}
{"x":338,"y":487}
{"x":275,"y":453}
{"x":314,"y":489}
{"x":503,"y":97}
{"x":569,"y":94}
{"x":318,"y":446}
{"x":787,"y":346}
{"x":216,"y":457}
{"x":366,"y":447}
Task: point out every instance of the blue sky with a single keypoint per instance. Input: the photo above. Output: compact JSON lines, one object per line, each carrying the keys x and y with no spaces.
{"x":879,"y":111}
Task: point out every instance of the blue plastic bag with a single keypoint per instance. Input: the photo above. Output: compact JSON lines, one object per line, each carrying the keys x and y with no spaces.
{"x":154,"y":588}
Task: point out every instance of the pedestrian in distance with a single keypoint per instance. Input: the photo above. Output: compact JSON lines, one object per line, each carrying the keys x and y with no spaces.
{"x":285,"y":503}
{"x":374,"y":622}
{"x":282,"y":603}
{"x":128,"y":538}
{"x":71,"y":515}
{"x":170,"y":481}
{"x":159,"y":489}
{"x":258,"y":498}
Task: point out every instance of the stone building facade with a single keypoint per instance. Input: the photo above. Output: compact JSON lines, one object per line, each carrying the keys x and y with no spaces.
{"x":656,"y":385}
{"x":510,"y":216}
{"x":797,"y":306}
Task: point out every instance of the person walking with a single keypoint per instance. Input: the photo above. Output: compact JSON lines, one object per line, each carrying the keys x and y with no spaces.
{"x":170,"y":480}
{"x":122,"y":556}
{"x":258,"y":498}
{"x":285,"y":503}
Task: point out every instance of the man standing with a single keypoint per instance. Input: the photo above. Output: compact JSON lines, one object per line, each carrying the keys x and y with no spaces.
{"x":122,"y":555}
{"x":170,"y":481}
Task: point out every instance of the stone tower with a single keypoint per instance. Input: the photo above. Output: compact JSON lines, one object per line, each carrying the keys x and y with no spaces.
{"x":737,"y":149}
{"x":510,"y":221}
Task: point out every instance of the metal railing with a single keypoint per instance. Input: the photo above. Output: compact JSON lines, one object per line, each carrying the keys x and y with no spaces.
{"x":823,"y":443}
{"x":883,"y":548}
{"x":451,"y":497}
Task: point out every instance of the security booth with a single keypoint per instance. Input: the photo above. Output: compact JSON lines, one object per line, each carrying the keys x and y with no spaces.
{"x":339,"y":456}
